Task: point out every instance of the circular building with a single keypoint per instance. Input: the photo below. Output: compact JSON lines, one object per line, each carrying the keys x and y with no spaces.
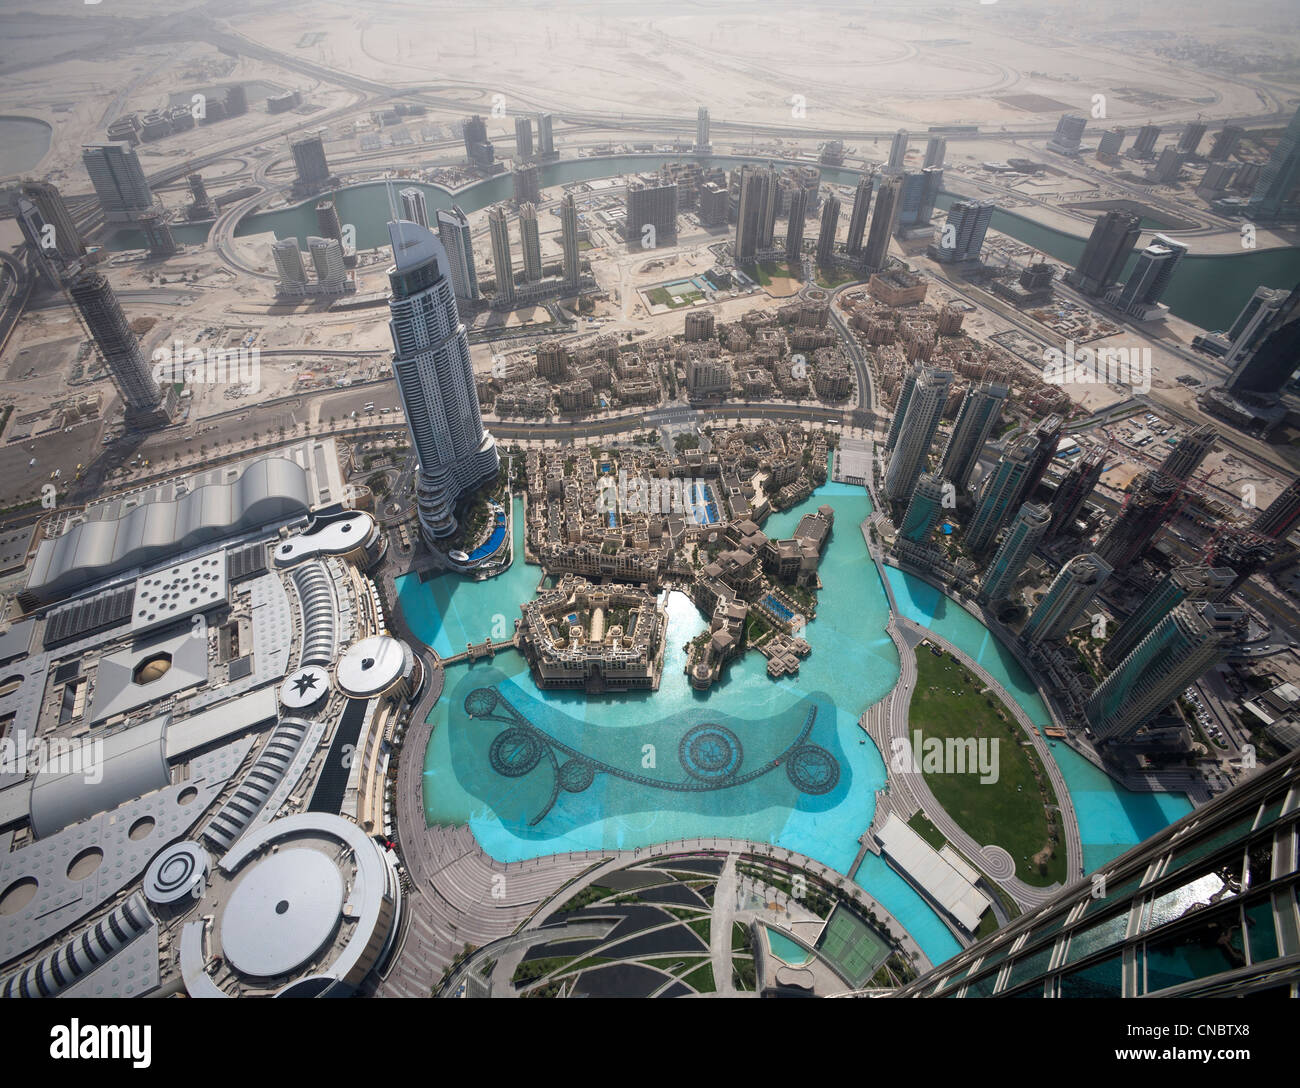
{"x":308,"y":905}
{"x":305,"y":687}
{"x":376,"y":667}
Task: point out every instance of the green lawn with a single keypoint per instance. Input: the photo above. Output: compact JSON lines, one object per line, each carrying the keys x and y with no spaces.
{"x":1009,"y":812}
{"x":829,"y":278}
{"x":659,"y":296}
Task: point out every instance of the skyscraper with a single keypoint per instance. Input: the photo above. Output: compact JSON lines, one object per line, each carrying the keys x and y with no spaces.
{"x":1146,"y":285}
{"x":897,"y":153}
{"x":117,"y":344}
{"x":545,"y":134}
{"x":651,"y":203}
{"x":327,"y":220}
{"x":49,"y":202}
{"x":1225,"y":143}
{"x":900,"y":408}
{"x":1244,"y":332}
{"x":523,"y":138}
{"x":1047,"y":432}
{"x":1281,"y":515}
{"x":1000,"y":494}
{"x":925,"y":508}
{"x":119,"y":181}
{"x":43,"y":255}
{"x":702,"y":145}
{"x":1191,"y":138}
{"x":962,"y":238}
{"x":1070,"y":593}
{"x":1276,"y":190}
{"x":414,"y":209}
{"x":309,"y":161}
{"x":435,"y":381}
{"x":1186,"y":457}
{"x":1182,"y":646}
{"x":795,"y":224}
{"x":478,"y":149}
{"x":1273,"y":354}
{"x":936,"y":150}
{"x":1069,"y":133}
{"x":882,"y":223}
{"x":1200,"y":909}
{"x":530,"y":242}
{"x":454,"y":234}
{"x":826,"y":235}
{"x":756,"y":183}
{"x":1112,"y":239}
{"x":1112,"y":140}
{"x":1145,"y":142}
{"x":1197,"y":583}
{"x":919,"y":193}
{"x":569,"y":240}
{"x":980,"y":410}
{"x":499,"y":228}
{"x":1150,"y":503}
{"x":289,"y":268}
{"x":527,"y":187}
{"x":1074,"y":490}
{"x":1018,"y":543}
{"x":327,"y":257}
{"x":858,"y":220}
{"x":924,"y":409}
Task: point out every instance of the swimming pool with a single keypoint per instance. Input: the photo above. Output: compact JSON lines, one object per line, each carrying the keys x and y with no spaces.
{"x":786,"y":949}
{"x":777,"y":607}
{"x":703,"y":508}
{"x":492,"y":543}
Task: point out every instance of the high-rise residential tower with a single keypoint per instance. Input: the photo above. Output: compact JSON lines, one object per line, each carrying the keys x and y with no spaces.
{"x":1273,"y":351}
{"x":435,"y":380}
{"x":119,"y":181}
{"x":530,"y":241}
{"x":1146,"y":285}
{"x":523,"y":137}
{"x":313,"y":172}
{"x":858,"y":220}
{"x":1069,"y":134}
{"x":1074,"y":490}
{"x":116,"y":343}
{"x":962,"y":237}
{"x":795,"y":224}
{"x":1111,"y":241}
{"x":1186,"y":457}
{"x":925,"y":509}
{"x":414,"y":209}
{"x":499,"y":228}
{"x":883,"y":220}
{"x":1279,"y":180}
{"x":702,"y":145}
{"x":1070,"y":593}
{"x":1023,"y":535}
{"x":897,"y":153}
{"x":924,"y":410}
{"x":1151,"y":502}
{"x":454,"y":233}
{"x":1281,"y":515}
{"x":979,"y":413}
{"x":1000,"y":494}
{"x":569,"y":240}
{"x":545,"y":134}
{"x":1198,"y":583}
{"x":1178,"y":651}
{"x":826,"y":235}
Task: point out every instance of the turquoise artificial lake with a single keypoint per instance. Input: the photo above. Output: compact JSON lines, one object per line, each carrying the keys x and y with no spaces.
{"x":556,"y":805}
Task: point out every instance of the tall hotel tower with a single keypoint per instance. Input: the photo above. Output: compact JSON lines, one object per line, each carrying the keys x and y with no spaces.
{"x":434,"y":379}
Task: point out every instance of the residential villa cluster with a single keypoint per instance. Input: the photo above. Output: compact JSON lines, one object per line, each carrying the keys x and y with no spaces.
{"x":641,"y":520}
{"x":791,"y":353}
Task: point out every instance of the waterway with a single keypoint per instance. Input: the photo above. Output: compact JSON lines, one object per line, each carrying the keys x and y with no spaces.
{"x":23,"y":143}
{"x":1209,"y":291}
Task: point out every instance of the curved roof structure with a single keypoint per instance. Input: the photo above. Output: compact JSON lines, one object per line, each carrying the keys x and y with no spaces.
{"x":129,"y":765}
{"x":337,"y":536}
{"x":270,"y":489}
{"x":373,"y":665}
